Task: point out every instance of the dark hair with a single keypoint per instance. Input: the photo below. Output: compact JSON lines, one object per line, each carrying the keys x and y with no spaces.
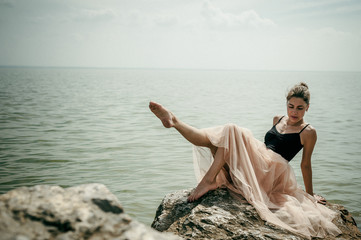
{"x":301,"y":91}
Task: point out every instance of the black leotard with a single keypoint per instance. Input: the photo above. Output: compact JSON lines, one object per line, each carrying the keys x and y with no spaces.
{"x":287,"y":144}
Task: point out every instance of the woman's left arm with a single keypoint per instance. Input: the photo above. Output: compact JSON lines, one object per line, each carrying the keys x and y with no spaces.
{"x":309,"y":138}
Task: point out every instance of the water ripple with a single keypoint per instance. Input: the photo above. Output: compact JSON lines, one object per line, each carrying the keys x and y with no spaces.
{"x":76,"y":126}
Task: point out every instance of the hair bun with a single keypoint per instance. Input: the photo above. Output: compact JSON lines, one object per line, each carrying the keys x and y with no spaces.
{"x":302,"y":84}
{"x":299,"y":90}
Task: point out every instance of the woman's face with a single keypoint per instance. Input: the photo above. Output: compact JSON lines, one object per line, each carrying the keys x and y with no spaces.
{"x":296,"y":109}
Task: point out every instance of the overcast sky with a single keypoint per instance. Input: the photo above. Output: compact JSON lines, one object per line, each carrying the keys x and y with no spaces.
{"x":199,"y":34}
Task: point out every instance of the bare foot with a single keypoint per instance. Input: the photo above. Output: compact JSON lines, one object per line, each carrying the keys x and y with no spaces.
{"x":202,"y":188}
{"x":167,"y":118}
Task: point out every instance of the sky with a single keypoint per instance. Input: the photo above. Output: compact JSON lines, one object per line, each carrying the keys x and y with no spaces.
{"x":295,"y":35}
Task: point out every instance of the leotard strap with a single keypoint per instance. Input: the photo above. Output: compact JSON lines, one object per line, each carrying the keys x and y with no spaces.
{"x":303,"y":128}
{"x":279,"y":120}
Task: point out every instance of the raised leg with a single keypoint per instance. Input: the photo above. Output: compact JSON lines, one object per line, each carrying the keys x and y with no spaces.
{"x":208,"y":182}
{"x":192,"y":134}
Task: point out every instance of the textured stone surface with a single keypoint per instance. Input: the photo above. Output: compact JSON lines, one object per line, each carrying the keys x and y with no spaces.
{"x":220,"y":215}
{"x":83,"y":212}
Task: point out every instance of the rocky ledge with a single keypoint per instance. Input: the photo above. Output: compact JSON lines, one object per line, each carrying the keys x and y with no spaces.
{"x":221,"y":215}
{"x":82,"y":212}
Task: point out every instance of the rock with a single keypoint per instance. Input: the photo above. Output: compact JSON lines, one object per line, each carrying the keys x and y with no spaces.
{"x":222,"y":215}
{"x":83,"y":212}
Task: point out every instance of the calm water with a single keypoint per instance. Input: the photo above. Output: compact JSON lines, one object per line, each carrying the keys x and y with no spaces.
{"x":76,"y":126}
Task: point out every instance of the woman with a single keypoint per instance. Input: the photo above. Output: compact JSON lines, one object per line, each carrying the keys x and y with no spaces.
{"x":229,"y":156}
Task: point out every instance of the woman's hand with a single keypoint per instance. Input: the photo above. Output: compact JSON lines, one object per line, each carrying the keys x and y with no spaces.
{"x":320,"y":199}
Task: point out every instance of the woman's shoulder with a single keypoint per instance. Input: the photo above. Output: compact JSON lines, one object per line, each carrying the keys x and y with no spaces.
{"x":309,"y":133}
{"x":277,"y":118}
{"x":309,"y":129}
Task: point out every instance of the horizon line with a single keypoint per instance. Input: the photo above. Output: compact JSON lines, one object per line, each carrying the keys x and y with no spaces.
{"x":174,"y":68}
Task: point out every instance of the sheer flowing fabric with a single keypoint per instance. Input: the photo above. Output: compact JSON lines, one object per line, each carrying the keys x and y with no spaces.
{"x":266,"y":180}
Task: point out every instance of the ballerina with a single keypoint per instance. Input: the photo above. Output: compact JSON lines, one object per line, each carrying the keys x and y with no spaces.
{"x":229,"y":156}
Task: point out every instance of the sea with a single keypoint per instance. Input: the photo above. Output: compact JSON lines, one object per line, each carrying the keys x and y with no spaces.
{"x":72,"y":126}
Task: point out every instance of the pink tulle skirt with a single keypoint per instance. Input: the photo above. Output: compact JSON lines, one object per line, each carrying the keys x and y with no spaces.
{"x":266,"y":180}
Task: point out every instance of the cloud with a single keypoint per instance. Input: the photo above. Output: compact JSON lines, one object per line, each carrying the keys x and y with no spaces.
{"x":330,"y":7}
{"x":135,"y":18}
{"x":72,"y":15}
{"x":95,"y":15}
{"x":7,"y":3}
{"x":166,"y":21}
{"x":217,"y":18}
{"x":331,"y":32}
{"x":203,"y":16}
{"x":140,"y":19}
{"x":325,"y":33}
